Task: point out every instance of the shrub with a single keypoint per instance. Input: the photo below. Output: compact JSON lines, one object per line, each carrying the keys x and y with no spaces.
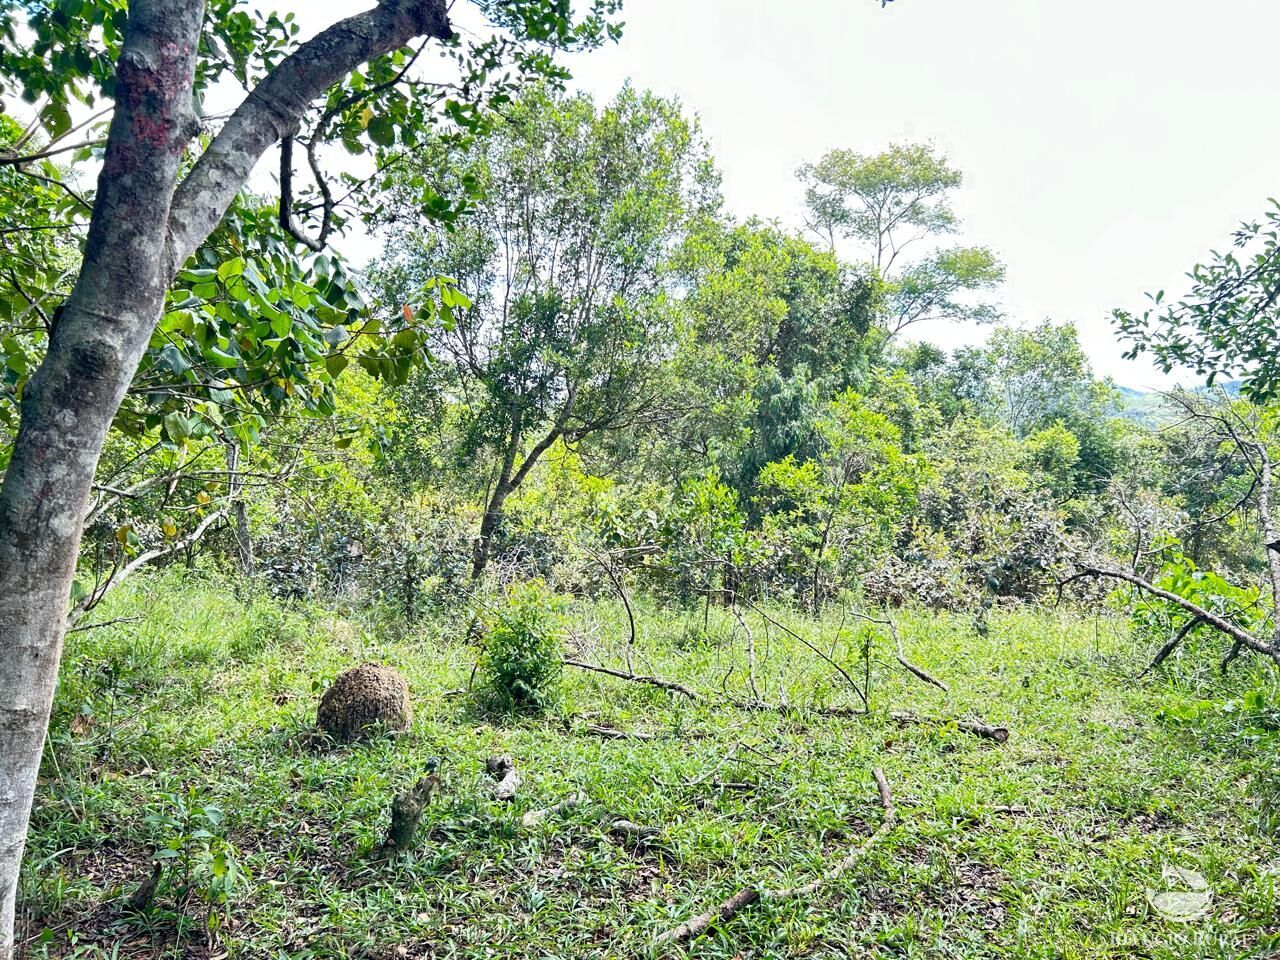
{"x":523,"y":647}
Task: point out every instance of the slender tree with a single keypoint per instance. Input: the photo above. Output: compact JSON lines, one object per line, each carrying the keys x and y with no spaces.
{"x":889,"y":202}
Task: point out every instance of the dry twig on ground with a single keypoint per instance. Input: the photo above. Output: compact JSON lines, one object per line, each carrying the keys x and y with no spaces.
{"x":752,"y":894}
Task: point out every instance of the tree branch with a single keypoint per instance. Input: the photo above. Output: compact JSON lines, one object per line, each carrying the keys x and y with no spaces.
{"x":277,"y":104}
{"x":141,"y":560}
{"x":1241,"y":636}
{"x":752,"y":894}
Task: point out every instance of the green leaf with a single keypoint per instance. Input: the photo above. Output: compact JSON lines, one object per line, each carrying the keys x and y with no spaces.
{"x":231,"y":268}
{"x":222,"y":358}
{"x":281,"y":324}
{"x":382,"y":131}
{"x":171,"y":359}
{"x":176,"y":427}
{"x":56,"y":119}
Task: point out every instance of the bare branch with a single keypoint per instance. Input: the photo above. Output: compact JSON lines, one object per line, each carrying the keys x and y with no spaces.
{"x":277,"y":104}
{"x":141,"y":560}
{"x":748,"y":895}
{"x":1240,"y":635}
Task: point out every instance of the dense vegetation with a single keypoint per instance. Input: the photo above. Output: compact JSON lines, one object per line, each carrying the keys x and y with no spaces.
{"x":673,"y":532}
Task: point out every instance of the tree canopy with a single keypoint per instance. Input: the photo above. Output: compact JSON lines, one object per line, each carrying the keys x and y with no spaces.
{"x":888,"y":202}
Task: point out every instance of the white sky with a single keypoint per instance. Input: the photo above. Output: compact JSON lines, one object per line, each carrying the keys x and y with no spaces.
{"x":1108,"y":145}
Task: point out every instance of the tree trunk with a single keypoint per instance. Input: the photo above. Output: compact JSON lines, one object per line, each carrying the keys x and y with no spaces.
{"x":488,"y":527}
{"x":141,"y":232}
{"x":71,"y":400}
{"x":239,"y":510}
{"x":493,"y":510}
{"x":508,"y":480}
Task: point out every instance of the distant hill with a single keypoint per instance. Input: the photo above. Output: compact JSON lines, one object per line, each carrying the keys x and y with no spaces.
{"x":1151,"y":408}
{"x":1146,"y":407}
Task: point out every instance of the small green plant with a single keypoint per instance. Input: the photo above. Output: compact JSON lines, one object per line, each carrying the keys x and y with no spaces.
{"x":202,"y":864}
{"x":523,"y":647}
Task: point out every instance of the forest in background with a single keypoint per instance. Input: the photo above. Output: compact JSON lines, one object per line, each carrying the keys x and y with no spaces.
{"x":676,"y":523}
{"x":594,"y":373}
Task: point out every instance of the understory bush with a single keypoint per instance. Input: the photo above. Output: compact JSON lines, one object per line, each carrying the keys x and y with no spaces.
{"x":524,"y":639}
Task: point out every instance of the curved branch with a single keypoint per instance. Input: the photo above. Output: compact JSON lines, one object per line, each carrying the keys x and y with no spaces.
{"x":286,"y":200}
{"x":1238,"y":634}
{"x":277,"y":104}
{"x":327,"y":203}
{"x":141,"y":560}
{"x":862,"y":694}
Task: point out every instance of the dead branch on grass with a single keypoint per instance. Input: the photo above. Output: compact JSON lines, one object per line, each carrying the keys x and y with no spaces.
{"x":900,"y":654}
{"x":503,"y":769}
{"x":633,"y":677}
{"x":752,"y":894}
{"x":535,"y":817}
{"x":976,"y":727}
{"x":612,"y":733}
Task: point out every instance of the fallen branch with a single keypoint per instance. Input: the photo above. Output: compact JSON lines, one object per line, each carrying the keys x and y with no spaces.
{"x":611,"y":733}
{"x":759,"y":706}
{"x":900,"y":654}
{"x":696,"y":925}
{"x":749,"y":895}
{"x":103,"y":623}
{"x":910,"y":667}
{"x":626,"y":601}
{"x":504,"y":771}
{"x":535,"y":817}
{"x":634,"y":678}
{"x":843,"y":866}
{"x":751,"y":651}
{"x":975,"y":727}
{"x":787,"y":709}
{"x":862,"y":694}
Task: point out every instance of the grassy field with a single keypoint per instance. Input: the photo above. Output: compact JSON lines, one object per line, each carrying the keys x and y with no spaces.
{"x":1045,"y":846}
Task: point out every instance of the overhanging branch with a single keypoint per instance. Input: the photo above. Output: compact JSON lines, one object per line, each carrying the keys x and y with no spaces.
{"x":276,"y":106}
{"x":1236,"y":633}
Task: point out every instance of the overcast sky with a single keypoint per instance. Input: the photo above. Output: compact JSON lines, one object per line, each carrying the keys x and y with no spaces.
{"x":1107,"y":144}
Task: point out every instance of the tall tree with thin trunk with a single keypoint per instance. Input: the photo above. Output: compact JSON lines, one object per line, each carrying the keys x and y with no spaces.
{"x":895,"y":200}
{"x":158,"y":198}
{"x":565,"y":323}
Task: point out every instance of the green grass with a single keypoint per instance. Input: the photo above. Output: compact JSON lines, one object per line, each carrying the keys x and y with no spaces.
{"x":214,"y":696}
